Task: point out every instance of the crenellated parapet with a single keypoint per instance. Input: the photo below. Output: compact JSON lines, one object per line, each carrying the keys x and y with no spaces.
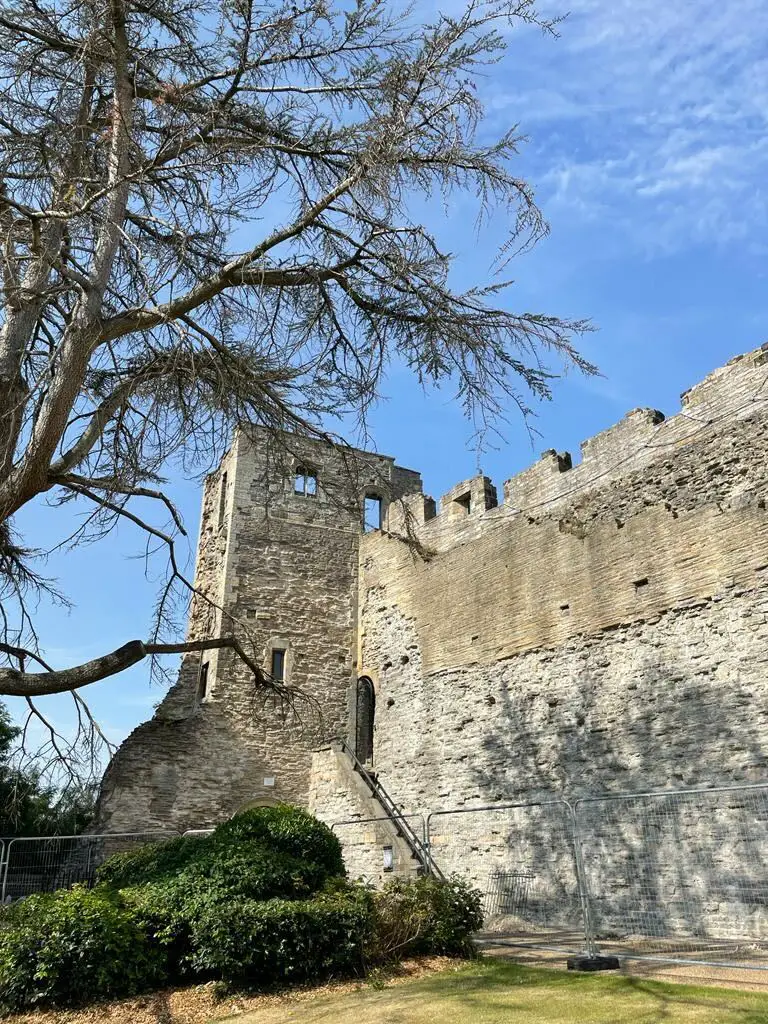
{"x":642,"y":438}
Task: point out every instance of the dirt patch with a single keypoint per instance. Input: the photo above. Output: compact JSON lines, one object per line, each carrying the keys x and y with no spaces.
{"x":200,"y":1004}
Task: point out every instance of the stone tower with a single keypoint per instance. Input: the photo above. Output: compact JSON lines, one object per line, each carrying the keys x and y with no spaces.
{"x":277,"y":559}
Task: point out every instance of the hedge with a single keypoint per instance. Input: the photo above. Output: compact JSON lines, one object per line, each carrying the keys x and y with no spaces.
{"x":74,"y":946}
{"x":262,"y":901}
{"x":425,"y":916}
{"x":273,"y":941}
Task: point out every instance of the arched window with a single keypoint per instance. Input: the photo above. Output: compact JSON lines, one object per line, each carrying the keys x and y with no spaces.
{"x":366,"y":709}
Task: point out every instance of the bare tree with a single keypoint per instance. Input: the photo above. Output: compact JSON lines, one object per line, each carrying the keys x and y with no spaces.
{"x":204,"y":223}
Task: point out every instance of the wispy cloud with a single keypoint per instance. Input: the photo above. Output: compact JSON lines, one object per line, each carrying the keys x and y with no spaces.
{"x":653,"y":113}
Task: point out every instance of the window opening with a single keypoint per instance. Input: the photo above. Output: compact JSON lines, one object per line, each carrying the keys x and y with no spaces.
{"x":373,"y":513}
{"x":305,"y":482}
{"x":277,"y":667}
{"x":465,"y":502}
{"x":366,"y":711}
{"x":202,"y":682}
{"x":222,"y":499}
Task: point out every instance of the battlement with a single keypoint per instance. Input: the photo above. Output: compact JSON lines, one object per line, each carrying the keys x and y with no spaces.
{"x":640,"y":439}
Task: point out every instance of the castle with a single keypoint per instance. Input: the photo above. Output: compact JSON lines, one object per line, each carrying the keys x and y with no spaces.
{"x":603,"y":627}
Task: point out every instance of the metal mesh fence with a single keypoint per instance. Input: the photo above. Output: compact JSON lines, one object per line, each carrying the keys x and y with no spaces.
{"x":522,"y":859}
{"x":679,"y":875}
{"x":375,"y":848}
{"x":58,"y":862}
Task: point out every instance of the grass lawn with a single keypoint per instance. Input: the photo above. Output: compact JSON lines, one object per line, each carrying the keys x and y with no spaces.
{"x":492,"y":992}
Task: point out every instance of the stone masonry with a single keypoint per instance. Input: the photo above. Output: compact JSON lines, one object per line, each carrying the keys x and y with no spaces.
{"x":603,"y":629}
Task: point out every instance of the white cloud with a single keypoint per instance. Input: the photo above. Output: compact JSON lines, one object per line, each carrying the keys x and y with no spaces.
{"x":652,"y":112}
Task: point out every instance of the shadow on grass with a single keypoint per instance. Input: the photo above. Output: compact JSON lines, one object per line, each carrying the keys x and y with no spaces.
{"x":649,"y":1002}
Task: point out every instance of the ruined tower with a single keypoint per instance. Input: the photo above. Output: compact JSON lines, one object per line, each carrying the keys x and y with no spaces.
{"x":278,"y":559}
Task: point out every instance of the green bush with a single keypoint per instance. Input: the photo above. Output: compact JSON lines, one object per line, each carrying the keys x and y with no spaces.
{"x":262,"y":901}
{"x":72,"y":947}
{"x":425,"y":916}
{"x":265,"y":852}
{"x":272,"y":941}
{"x":150,"y":862}
{"x":288,"y":830}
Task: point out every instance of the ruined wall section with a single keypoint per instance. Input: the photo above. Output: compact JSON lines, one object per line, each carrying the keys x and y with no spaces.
{"x":613,"y":636}
{"x":339,"y":797}
{"x":282,"y":567}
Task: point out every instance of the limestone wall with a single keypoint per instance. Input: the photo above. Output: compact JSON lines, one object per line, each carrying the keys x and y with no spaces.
{"x":280,"y":569}
{"x":604,"y":629}
{"x":340,"y":798}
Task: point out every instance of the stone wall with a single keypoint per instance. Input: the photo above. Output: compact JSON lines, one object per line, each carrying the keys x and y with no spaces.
{"x":279,"y":568}
{"x":605,"y":629}
{"x":563,"y":647}
{"x":340,"y":798}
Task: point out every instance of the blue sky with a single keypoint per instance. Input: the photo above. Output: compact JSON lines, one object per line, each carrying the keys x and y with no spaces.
{"x":649,"y":153}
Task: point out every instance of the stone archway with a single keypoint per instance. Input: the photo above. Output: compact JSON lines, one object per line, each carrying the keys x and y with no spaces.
{"x":261,"y":801}
{"x":366,"y":710}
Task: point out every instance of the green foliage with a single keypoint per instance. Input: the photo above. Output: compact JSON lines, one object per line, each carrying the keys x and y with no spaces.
{"x":288,"y":830}
{"x":151,"y":862}
{"x":183,"y":891}
{"x":262,"y":901}
{"x":425,"y":916}
{"x":260,"y":854}
{"x":272,"y":941}
{"x":27,"y":806}
{"x":74,"y":946}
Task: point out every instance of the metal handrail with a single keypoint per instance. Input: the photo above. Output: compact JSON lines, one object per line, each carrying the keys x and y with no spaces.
{"x":418,"y":848}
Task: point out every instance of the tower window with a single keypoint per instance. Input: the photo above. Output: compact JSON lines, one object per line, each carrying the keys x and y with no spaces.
{"x":277,"y":664}
{"x":366,"y":710}
{"x":464,"y":502}
{"x":305,"y":482}
{"x":222,"y":499}
{"x":373,"y":518}
{"x":202,"y":682}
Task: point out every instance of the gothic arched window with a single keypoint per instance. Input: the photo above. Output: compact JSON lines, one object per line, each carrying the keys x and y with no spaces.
{"x":366,"y":709}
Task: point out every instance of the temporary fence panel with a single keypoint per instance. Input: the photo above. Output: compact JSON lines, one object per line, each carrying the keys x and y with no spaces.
{"x":679,"y":875}
{"x":376,"y":849}
{"x":522,"y":858}
{"x":42,"y":864}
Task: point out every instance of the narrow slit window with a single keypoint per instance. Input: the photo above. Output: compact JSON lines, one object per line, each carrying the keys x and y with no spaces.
{"x":373,"y":513}
{"x":277,"y":666}
{"x":305,"y":482}
{"x":222,"y":499}
{"x":202,"y":682}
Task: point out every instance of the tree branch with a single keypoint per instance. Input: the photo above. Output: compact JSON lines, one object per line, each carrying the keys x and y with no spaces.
{"x":16,"y":683}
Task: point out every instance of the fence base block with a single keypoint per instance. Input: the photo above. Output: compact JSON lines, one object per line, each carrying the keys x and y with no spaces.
{"x":593,"y":963}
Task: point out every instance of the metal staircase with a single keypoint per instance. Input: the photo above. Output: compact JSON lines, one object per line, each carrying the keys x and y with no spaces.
{"x":419,"y":849}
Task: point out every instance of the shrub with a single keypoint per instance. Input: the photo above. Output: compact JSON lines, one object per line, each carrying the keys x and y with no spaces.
{"x":272,"y":941}
{"x":261,"y":901}
{"x":425,"y":916}
{"x":288,"y":830}
{"x":150,"y":862}
{"x":74,"y":946}
{"x":265,"y":852}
